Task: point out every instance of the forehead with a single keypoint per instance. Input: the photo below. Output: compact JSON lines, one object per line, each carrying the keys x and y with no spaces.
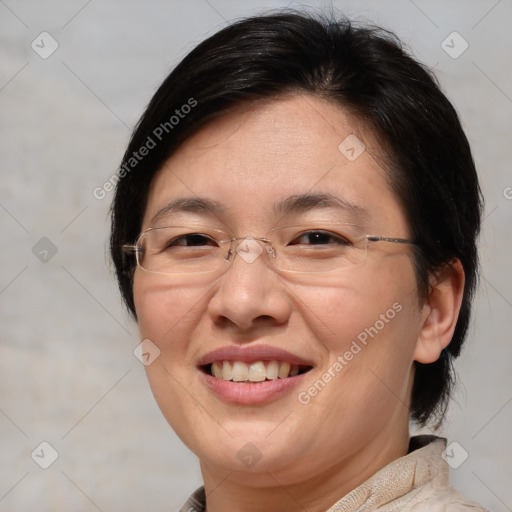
{"x":256,"y":158}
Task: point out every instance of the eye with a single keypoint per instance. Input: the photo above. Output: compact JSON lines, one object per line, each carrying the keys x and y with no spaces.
{"x":191,"y":240}
{"x":320,"y":237}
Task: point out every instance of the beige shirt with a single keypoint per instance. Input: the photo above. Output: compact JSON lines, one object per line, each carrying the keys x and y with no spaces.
{"x":417,"y":482}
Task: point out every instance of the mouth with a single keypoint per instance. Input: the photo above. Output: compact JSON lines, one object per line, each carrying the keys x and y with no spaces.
{"x":257,"y":371}
{"x":253,"y":374}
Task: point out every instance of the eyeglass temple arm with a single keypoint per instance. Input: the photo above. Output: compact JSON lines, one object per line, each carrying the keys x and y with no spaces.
{"x":126,"y":250}
{"x":372,"y":238}
{"x":129,"y":248}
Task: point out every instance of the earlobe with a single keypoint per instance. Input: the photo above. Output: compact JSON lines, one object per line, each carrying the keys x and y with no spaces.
{"x":440,"y":312}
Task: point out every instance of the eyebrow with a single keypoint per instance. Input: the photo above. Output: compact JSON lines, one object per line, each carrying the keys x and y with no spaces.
{"x":306,"y":202}
{"x":190,"y":204}
{"x":299,"y":203}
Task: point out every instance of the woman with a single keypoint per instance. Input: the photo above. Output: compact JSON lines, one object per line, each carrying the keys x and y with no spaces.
{"x":294,"y":229}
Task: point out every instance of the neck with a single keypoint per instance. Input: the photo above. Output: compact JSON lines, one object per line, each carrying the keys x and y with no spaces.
{"x":269,"y":491}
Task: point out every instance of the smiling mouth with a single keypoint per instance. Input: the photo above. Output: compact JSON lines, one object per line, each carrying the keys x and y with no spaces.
{"x":258,"y":371}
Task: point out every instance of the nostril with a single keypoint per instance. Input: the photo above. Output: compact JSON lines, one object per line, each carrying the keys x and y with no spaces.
{"x":264,"y":318}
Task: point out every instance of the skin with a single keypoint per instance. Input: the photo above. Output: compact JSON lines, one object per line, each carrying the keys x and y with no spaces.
{"x":313,"y":454}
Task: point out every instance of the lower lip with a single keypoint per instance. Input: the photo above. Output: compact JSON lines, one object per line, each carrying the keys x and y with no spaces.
{"x":252,"y":393}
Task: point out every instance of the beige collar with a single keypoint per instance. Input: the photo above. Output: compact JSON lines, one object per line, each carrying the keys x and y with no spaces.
{"x":400,"y":481}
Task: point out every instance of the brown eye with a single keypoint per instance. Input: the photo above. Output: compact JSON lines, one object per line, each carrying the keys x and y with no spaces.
{"x":191,"y":240}
{"x":320,"y":237}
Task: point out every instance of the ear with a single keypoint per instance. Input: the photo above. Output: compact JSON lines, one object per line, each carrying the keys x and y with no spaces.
{"x":440,"y":312}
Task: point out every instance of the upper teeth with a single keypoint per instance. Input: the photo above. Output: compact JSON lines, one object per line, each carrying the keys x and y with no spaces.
{"x":258,"y":371}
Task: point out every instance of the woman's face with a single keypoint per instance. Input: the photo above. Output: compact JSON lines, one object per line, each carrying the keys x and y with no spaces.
{"x":351,"y":333}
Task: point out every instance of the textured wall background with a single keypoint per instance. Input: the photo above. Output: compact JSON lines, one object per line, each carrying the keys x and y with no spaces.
{"x":68,"y":374}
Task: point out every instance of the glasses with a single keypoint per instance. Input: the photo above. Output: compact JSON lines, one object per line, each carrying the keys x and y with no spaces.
{"x":303,"y":249}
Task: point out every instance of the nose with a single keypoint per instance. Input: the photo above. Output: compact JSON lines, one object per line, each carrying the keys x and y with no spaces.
{"x":250,"y":295}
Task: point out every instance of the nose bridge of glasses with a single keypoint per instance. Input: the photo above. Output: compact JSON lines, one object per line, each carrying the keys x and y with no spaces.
{"x":250,"y":248}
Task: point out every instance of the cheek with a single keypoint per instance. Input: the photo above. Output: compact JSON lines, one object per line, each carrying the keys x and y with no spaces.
{"x":362,"y":305}
{"x":167,"y":314}
{"x":368,"y":327}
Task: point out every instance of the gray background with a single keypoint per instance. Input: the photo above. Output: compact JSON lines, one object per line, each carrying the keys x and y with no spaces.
{"x":68,"y":374}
